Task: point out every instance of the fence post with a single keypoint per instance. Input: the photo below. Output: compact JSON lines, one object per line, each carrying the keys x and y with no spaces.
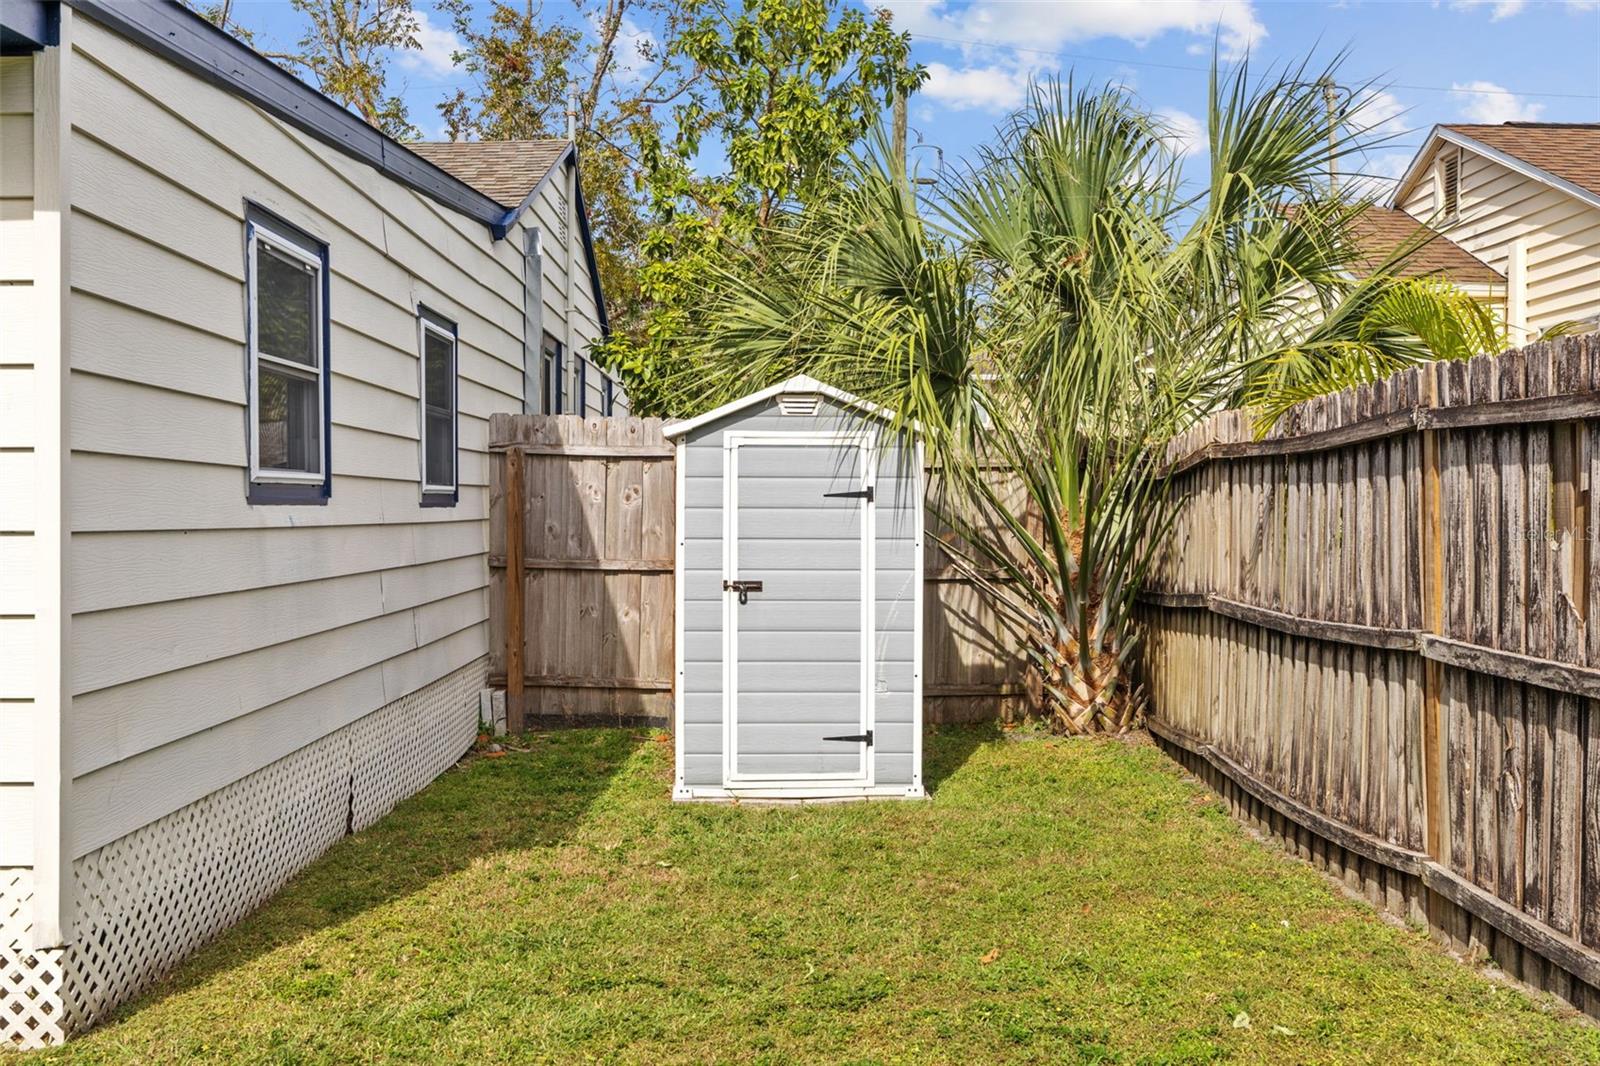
{"x":516,"y":578}
{"x":1432,"y":545}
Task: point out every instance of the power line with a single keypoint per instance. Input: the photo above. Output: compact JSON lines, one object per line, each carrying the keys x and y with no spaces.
{"x":1206,"y":70}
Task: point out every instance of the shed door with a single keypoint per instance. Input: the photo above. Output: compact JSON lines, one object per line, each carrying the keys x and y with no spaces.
{"x":799,"y":664}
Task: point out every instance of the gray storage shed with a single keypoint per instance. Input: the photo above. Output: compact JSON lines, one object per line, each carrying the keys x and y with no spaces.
{"x":799,"y":614}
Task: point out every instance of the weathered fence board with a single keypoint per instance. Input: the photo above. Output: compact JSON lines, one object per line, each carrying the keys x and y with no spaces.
{"x":581,"y":573}
{"x":586,"y":635}
{"x":1376,"y":629}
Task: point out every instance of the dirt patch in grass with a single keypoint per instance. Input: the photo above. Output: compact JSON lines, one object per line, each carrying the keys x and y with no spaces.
{"x":1053,"y":902}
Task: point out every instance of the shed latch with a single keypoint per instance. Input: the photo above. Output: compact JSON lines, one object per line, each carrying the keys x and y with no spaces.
{"x":858,"y":494}
{"x":743,"y":588}
{"x":855,"y":738}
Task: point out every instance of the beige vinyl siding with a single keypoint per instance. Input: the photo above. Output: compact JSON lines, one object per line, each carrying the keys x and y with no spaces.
{"x":18,"y":592}
{"x":211,"y":637}
{"x":1561,"y":234}
{"x":547,"y":214}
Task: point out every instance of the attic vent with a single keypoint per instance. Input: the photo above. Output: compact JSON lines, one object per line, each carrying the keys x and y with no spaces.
{"x":803,"y":406}
{"x":1450,"y":180}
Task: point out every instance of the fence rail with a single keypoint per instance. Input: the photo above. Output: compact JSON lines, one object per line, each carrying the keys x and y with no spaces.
{"x":1375,"y":632}
{"x":584,"y":510}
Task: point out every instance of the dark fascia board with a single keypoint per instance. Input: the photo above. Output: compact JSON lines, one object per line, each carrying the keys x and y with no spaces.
{"x":588,"y":248}
{"x":569,"y":155}
{"x":173,"y":32}
{"x":27,"y":26}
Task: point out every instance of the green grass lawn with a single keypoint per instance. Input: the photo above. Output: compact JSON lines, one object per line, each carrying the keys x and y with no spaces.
{"x":1055,"y":901}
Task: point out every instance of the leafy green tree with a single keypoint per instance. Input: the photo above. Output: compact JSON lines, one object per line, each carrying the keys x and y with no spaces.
{"x":530,"y":71}
{"x":1072,"y":311}
{"x":346,"y":46}
{"x":775,"y":95}
{"x":521,"y":65}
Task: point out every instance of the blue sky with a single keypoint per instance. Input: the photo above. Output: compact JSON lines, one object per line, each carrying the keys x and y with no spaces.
{"x":1446,"y":61}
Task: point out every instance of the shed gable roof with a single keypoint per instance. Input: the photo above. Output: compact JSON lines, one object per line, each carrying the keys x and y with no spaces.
{"x":799,"y":385}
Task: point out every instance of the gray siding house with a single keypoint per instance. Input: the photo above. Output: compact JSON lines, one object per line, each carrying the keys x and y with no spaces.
{"x":249,"y":348}
{"x":799,"y":583}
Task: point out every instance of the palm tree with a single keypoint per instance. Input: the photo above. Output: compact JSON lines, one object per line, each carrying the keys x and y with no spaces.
{"x":1063,"y":309}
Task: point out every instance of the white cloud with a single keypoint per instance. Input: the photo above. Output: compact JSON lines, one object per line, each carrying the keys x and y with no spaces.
{"x":635,"y":49}
{"x":1504,"y":9}
{"x":1484,"y":101}
{"x":1498,"y":9}
{"x":437,"y":43}
{"x":1373,"y":174}
{"x":1004,"y":43}
{"x":1379,"y":113}
{"x":1051,"y":24}
{"x":1185,"y":134}
{"x":988,"y":88}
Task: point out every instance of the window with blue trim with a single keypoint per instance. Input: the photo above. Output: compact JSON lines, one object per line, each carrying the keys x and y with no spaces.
{"x":438,"y":342}
{"x":287,"y":337}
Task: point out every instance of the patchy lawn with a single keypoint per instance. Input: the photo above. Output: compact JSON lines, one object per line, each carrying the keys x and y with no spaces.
{"x":1055,"y":901}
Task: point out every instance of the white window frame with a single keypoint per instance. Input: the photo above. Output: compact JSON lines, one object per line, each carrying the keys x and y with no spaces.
{"x":425,"y":325}
{"x":312,"y":258}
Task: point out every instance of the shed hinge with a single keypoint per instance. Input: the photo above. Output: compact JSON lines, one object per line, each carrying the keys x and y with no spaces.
{"x":857,"y":494}
{"x":855,"y":738}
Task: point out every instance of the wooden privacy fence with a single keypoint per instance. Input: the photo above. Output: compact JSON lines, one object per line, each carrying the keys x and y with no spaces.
{"x":584,"y":509}
{"x":1377,"y":633}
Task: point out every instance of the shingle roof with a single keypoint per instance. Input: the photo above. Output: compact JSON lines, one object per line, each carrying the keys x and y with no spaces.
{"x":1568,"y":150}
{"x":504,"y":171}
{"x":1378,"y":231}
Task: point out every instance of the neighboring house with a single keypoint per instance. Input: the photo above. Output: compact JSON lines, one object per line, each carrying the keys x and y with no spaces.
{"x":1523,"y":198}
{"x":248,"y":352}
{"x":1380,"y":232}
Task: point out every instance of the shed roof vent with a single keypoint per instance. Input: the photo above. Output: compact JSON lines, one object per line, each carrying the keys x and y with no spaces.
{"x":804,"y":405}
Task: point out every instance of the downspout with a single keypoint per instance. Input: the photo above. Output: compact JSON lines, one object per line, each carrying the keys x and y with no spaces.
{"x":570,"y":184}
{"x":533,"y":323}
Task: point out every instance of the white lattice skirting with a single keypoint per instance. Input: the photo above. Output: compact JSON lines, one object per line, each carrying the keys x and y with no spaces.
{"x":150,"y":898}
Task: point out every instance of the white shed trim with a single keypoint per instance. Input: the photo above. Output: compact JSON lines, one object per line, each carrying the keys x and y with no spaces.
{"x":733,"y":440}
{"x":800,"y":384}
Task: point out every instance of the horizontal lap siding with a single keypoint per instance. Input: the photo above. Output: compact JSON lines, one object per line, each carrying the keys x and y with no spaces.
{"x":211,"y":637}
{"x":1561,"y":234}
{"x":547,"y":215}
{"x":18,"y":596}
{"x":894,"y":593}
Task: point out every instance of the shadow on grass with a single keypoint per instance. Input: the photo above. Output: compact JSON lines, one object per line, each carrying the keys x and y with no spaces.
{"x":947,"y":748}
{"x":536,"y":797}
